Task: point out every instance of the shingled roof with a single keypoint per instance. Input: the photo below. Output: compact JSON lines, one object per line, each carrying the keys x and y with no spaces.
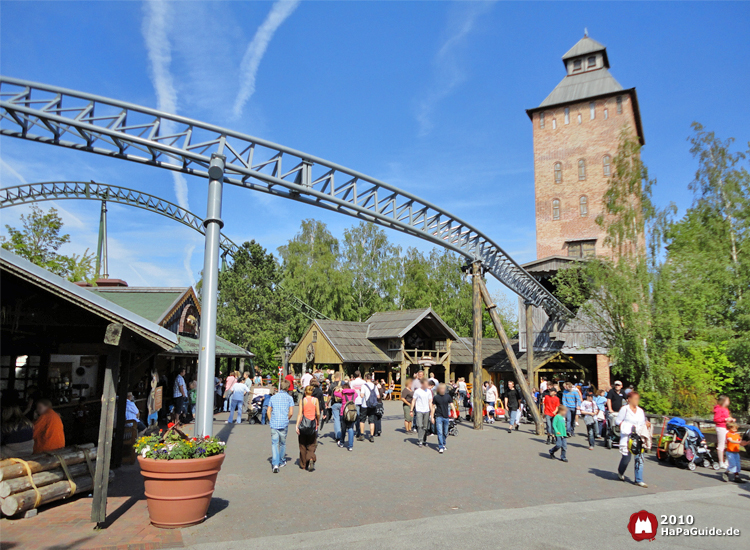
{"x":395,"y":324}
{"x":577,"y":87}
{"x":349,"y":339}
{"x":586,"y":46}
{"x":462,"y":351}
{"x":153,"y":303}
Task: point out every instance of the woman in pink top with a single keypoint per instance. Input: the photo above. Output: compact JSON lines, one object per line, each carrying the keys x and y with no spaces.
{"x":309,"y":408}
{"x":231,"y":379}
{"x":347,"y":395}
{"x":721,"y":417}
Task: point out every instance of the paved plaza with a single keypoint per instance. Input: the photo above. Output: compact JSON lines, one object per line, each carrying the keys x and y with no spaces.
{"x":490,"y":488}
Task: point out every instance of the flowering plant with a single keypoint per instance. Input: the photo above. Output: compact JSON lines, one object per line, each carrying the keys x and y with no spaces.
{"x":174,"y":445}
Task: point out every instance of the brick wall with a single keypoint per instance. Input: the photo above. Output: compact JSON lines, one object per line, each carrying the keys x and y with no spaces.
{"x":602,"y":372}
{"x":589,"y":140}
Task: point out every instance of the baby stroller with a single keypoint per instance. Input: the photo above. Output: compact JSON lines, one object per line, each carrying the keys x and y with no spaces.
{"x":685,"y":446}
{"x":612,"y":438}
{"x":254,"y":409}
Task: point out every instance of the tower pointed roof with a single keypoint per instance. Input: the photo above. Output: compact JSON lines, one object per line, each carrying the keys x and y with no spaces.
{"x":586,"y":46}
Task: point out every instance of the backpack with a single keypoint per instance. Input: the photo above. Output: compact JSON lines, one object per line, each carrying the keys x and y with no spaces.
{"x":350,"y":412}
{"x":372,"y":396}
{"x":335,"y":386}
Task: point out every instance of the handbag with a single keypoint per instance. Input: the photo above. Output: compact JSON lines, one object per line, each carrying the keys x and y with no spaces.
{"x":308,"y":426}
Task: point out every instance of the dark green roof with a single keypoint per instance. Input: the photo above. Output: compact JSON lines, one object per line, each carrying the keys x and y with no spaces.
{"x":150,"y":303}
{"x":187,"y":345}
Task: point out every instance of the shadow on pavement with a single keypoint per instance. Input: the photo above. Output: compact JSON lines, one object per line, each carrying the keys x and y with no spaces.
{"x":216,"y":506}
{"x":605,"y":474}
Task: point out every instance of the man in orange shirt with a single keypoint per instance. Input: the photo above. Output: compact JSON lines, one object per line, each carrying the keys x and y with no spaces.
{"x":48,"y":428}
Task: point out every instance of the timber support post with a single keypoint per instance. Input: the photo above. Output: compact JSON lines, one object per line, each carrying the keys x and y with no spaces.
{"x":530,"y":343}
{"x":525,"y":389}
{"x":106,"y":430}
{"x":476,"y":311}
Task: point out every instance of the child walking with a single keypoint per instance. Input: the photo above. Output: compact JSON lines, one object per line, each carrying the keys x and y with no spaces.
{"x":734,"y":441}
{"x":560,"y":431}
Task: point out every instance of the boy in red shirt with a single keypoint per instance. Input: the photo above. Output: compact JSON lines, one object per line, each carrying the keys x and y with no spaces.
{"x":551,"y":402}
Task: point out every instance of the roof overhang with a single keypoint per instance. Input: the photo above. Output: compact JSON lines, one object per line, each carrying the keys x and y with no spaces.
{"x":83,"y":298}
{"x":629,"y":91}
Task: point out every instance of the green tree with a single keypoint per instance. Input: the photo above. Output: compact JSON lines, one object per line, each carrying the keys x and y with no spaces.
{"x":39,"y":240}
{"x":313,"y":273}
{"x":253,"y":311}
{"x":373,"y":265}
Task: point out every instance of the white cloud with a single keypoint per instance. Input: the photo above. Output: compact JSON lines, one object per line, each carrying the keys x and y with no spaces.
{"x":280,"y":10}
{"x":155,"y":31}
{"x":448,"y":64}
{"x":186,"y":262}
{"x":9,"y":169}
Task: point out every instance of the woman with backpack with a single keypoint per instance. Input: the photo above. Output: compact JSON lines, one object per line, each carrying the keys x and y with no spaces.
{"x":349,"y":415}
{"x":307,"y":429}
{"x":335,"y":402}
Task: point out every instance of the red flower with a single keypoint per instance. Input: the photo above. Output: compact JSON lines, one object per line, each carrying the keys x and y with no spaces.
{"x":170,"y":425}
{"x":207,"y":437}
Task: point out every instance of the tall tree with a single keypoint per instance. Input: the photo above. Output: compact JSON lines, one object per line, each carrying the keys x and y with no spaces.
{"x":313,"y":273}
{"x":373,"y":264}
{"x":39,"y":240}
{"x":253,"y":310}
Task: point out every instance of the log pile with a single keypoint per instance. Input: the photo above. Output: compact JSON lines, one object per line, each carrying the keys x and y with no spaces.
{"x":45,"y":472}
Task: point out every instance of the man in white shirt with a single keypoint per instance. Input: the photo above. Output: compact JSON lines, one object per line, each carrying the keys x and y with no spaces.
{"x":356,"y":385}
{"x":367,"y":413}
{"x":417,"y":382}
{"x":179,"y":395}
{"x":132,"y":412}
{"x":305,"y":380}
{"x":543,"y":385}
{"x":421,"y":406}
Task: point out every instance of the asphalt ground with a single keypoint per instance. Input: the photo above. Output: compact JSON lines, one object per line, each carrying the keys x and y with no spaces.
{"x":489,"y":488}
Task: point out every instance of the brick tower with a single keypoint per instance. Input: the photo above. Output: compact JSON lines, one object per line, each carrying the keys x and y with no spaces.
{"x":576,"y":133}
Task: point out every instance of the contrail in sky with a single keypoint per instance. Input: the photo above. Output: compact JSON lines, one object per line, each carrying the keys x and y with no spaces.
{"x":257,"y":48}
{"x":154,"y":29}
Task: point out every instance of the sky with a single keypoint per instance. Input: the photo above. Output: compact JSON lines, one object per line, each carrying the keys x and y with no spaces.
{"x":427,"y":96}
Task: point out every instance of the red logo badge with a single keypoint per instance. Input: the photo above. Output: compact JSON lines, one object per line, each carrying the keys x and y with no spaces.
{"x":642,"y":526}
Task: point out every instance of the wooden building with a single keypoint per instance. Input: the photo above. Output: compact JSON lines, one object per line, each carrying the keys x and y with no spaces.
{"x":396,"y":344}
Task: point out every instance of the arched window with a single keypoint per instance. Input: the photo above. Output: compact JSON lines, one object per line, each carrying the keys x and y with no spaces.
{"x":606,"y":165}
{"x":592,"y":110}
{"x":567,"y":115}
{"x":583,"y":206}
{"x":541,"y":120}
{"x":619,"y":104}
{"x":558,"y":172}
{"x":580,"y":119}
{"x":581,"y":169}
{"x":556,"y":209}
{"x":606,"y":113}
{"x":554,"y":123}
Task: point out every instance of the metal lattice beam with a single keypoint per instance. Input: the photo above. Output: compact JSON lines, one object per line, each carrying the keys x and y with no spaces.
{"x":86,"y":122}
{"x":61,"y":190}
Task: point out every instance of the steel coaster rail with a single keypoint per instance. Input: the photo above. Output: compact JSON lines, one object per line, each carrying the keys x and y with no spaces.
{"x":77,"y":120}
{"x":62,"y":190}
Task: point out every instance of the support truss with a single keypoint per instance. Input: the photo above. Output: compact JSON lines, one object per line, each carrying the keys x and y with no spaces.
{"x":61,"y":190}
{"x":86,"y":122}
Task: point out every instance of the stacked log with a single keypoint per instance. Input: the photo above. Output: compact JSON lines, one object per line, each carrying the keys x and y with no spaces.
{"x":17,"y":494}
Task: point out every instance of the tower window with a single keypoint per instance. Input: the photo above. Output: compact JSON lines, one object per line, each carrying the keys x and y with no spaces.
{"x":619,"y":104}
{"x":582,"y":249}
{"x":583,"y":206}
{"x":592,"y":62}
{"x":592,"y":110}
{"x":541,"y":120}
{"x":554,"y":123}
{"x":577,"y":65}
{"x":567,"y":115}
{"x":606,"y":166}
{"x":558,"y":172}
{"x":556,"y":209}
{"x":315,"y":336}
{"x":581,"y":169}
{"x":606,"y":114}
{"x":579,"y":118}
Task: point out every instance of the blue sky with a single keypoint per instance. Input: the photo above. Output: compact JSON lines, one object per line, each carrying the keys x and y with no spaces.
{"x":428,"y":96}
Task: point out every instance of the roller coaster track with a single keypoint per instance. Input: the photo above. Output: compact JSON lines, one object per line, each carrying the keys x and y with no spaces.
{"x":77,"y":120}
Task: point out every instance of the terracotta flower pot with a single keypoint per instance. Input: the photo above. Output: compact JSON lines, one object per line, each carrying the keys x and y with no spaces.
{"x":178,"y":492}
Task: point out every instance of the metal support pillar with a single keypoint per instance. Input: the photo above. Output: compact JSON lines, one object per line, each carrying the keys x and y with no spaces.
{"x":476,"y":310}
{"x":530,"y":343}
{"x":492,"y":309}
{"x":209,"y":299}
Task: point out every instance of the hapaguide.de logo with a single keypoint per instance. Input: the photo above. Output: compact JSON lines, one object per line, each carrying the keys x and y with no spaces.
{"x":642,"y":526}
